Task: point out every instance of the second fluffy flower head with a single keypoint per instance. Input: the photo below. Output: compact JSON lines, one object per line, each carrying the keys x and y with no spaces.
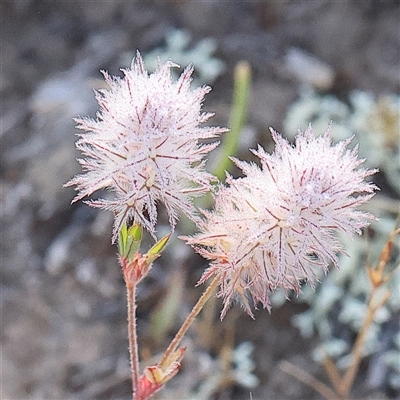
{"x":144,"y":146}
{"x":278,"y":225}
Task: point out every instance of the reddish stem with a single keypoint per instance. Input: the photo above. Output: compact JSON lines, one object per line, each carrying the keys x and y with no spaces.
{"x":132,"y":335}
{"x":186,"y":324}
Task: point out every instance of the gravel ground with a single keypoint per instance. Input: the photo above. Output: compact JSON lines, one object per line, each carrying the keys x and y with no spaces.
{"x":63,"y":315}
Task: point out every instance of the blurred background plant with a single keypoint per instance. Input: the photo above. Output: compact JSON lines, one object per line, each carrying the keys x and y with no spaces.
{"x":178,"y":48}
{"x":338,"y":305}
{"x":375,"y":122}
{"x":355,"y":315}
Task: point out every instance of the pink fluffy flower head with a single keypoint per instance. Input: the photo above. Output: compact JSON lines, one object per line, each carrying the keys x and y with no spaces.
{"x":278,"y":225}
{"x":145,"y":146}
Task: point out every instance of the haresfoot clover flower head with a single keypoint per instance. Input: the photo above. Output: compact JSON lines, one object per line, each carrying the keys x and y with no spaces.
{"x":145,"y":146}
{"x":278,"y":225}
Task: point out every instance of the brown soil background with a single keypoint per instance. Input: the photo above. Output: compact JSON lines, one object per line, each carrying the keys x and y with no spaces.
{"x":63,"y":322}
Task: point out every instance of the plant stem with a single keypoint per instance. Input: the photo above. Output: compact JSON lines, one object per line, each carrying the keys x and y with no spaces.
{"x":132,"y":334}
{"x":237,"y":119}
{"x":186,"y":324}
{"x":356,"y":353}
{"x":305,"y":377}
{"x":333,"y":373}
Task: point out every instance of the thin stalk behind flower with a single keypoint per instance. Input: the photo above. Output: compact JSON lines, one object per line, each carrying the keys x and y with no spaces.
{"x":237,"y":119}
